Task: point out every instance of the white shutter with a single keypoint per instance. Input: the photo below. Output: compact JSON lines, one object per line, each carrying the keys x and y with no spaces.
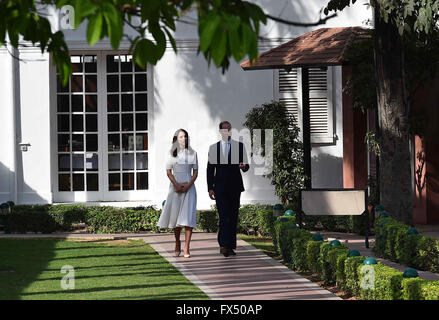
{"x":288,"y":89}
{"x":320,"y":105}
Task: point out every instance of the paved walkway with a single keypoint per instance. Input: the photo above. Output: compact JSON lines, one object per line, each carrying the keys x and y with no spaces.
{"x":250,"y":275}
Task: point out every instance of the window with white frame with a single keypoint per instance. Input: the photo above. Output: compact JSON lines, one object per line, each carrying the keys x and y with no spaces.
{"x":288,"y":89}
{"x":102,"y":125}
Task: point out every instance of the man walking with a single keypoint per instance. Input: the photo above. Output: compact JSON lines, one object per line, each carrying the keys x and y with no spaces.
{"x":224,"y":181}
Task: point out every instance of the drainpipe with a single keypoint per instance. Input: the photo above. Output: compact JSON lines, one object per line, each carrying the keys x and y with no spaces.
{"x":13,"y":79}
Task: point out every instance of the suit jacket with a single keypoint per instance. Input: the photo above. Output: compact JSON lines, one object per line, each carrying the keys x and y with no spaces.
{"x":224,"y":173}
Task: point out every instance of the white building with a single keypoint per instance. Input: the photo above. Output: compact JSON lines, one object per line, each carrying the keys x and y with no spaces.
{"x":86,"y":150}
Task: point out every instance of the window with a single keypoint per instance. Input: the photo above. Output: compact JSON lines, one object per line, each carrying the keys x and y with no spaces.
{"x":287,"y":88}
{"x":104,"y":104}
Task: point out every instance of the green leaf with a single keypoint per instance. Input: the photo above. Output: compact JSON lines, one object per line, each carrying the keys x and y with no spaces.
{"x":145,"y":52}
{"x":235,"y":45}
{"x":114,"y":24}
{"x":94,"y":28}
{"x":208,"y":32}
{"x":172,"y":40}
{"x":219,"y":46}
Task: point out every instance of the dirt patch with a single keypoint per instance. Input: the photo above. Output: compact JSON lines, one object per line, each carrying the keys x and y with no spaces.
{"x":120,"y":242}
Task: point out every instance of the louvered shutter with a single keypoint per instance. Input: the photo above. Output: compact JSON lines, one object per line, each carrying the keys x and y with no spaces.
{"x":288,"y":88}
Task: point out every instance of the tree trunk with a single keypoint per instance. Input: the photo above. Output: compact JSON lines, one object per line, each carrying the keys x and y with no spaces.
{"x":395,"y":170}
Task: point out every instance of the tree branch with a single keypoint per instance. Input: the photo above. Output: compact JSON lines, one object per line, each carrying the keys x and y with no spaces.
{"x":301,"y":24}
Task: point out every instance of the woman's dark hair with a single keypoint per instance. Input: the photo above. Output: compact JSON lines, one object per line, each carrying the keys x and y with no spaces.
{"x":175,"y":144}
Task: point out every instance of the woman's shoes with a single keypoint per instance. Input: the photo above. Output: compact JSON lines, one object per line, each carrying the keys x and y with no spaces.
{"x":187,"y":255}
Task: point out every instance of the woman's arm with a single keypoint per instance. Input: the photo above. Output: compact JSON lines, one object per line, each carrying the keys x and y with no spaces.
{"x":177,"y":186}
{"x":191,"y":182}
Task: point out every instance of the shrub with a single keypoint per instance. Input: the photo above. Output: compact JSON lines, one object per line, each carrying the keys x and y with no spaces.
{"x":278,"y":229}
{"x":312,"y":255}
{"x":427,"y":254}
{"x":327,"y":261}
{"x":411,"y":289}
{"x":285,"y":235}
{"x":207,"y":220}
{"x":386,"y":282}
{"x":352,"y":264}
{"x":256,"y":219}
{"x":430,"y":290}
{"x":31,"y":218}
{"x":298,"y":253}
{"x":66,"y":215}
{"x":115,"y":220}
{"x":340,"y":277}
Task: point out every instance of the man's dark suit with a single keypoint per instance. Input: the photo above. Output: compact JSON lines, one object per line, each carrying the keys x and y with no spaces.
{"x":225,"y":179}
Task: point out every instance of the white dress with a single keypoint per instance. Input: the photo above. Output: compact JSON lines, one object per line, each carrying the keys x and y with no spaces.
{"x":180,"y":208}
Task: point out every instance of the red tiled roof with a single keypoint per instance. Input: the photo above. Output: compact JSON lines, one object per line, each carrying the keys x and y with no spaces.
{"x":320,"y":47}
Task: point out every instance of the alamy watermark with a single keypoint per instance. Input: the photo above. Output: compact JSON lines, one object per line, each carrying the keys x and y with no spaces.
{"x":68,"y":281}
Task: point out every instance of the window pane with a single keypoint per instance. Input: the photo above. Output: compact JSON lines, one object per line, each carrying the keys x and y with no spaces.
{"x":91,"y":162}
{"x":92,"y":142}
{"x":113,"y":142}
{"x":90,"y":63}
{"x":77,"y":105}
{"x":142,"y":161}
{"x":91,"y":122}
{"x":59,"y":86}
{"x":91,"y":103}
{"x":126,"y":63}
{"x":78,"y":162}
{"x":141,"y":121}
{"x":62,"y":102}
{"x":93,"y":182}
{"x":76,"y":63}
{"x":127,"y":102}
{"x":141,"y":82}
{"x":77,"y":122}
{"x":77,"y":142}
{"x":77,"y":83}
{"x":142,"y":180}
{"x":64,"y":162}
{"x":128,"y":181}
{"x":127,"y":141}
{"x":113,"y":103}
{"x":64,"y":182}
{"x":126,"y":82}
{"x":128,"y":161}
{"x":63,"y":142}
{"x":141,"y":103}
{"x":142,"y":141}
{"x":112,"y":83}
{"x":78,"y":182}
{"x":114,"y":181}
{"x":91,"y":83}
{"x":63,"y":123}
{"x":114,"y":162}
{"x":113,"y":122}
{"x":127,"y":122}
{"x":112,"y":64}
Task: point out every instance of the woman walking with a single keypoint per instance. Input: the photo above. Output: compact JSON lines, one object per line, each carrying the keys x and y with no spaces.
{"x":180,"y":206}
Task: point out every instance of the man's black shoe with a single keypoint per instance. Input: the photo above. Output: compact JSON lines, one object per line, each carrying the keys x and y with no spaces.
{"x":231,"y":252}
{"x":224,"y":251}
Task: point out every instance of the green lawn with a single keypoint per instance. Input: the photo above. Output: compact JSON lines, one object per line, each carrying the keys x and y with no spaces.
{"x":262,"y":243}
{"x":31,"y":269}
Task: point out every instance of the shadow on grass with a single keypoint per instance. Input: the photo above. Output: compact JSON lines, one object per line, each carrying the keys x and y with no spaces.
{"x":31,"y":269}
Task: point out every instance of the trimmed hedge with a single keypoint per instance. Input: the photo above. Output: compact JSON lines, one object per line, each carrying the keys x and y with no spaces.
{"x":353,"y":224}
{"x":413,"y":250}
{"x":312,"y":255}
{"x":386,"y":284}
{"x":207,"y":220}
{"x":283,"y":236}
{"x":351,"y":276}
{"x":256,"y":219}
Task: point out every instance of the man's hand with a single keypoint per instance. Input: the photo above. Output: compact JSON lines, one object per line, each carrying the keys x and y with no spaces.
{"x":242,"y":165}
{"x":212,"y":194}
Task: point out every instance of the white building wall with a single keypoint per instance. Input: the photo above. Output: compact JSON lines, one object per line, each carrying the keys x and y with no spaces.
{"x":187,"y":94}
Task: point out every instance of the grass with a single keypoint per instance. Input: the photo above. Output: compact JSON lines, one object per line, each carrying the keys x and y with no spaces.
{"x":265,"y":244}
{"x":117,"y":269}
